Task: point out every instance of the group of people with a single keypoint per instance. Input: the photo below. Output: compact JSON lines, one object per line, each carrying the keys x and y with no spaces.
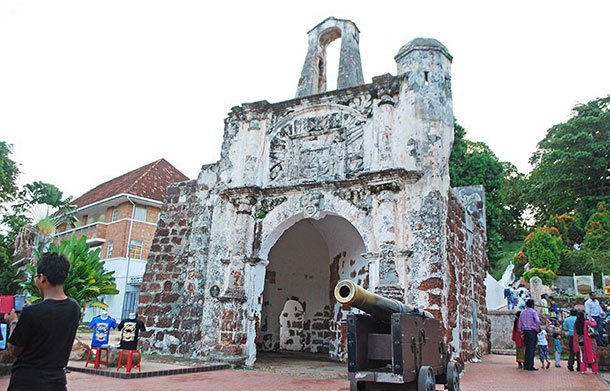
{"x":584,"y":329}
{"x":516,"y":297}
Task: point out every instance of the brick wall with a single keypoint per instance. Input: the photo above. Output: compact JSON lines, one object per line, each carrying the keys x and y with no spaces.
{"x":465,"y":275}
{"x":171,"y":298}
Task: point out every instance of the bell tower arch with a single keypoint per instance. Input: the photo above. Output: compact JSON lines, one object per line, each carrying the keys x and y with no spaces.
{"x":313,"y":75}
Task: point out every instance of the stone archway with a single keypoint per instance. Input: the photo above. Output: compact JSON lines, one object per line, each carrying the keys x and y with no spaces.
{"x":305,"y":263}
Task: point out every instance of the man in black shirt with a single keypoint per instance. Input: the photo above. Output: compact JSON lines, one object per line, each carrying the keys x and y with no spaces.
{"x":42,"y":337}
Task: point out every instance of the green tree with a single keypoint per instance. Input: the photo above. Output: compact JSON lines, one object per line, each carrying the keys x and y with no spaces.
{"x":8,"y":276}
{"x":597,"y":237}
{"x":543,"y":248}
{"x":572,"y":163}
{"x":87,"y":280}
{"x":513,"y":193}
{"x":570,"y":227}
{"x":474,"y":163}
{"x":8,"y":173}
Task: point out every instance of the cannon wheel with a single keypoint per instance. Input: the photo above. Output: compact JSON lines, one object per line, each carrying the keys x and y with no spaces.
{"x":425,"y":379}
{"x":453,"y":377}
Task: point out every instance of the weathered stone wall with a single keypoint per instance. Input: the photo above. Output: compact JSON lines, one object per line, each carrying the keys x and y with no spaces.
{"x":467,"y":327}
{"x":367,"y":168}
{"x":171,"y":298}
{"x":502,"y":323}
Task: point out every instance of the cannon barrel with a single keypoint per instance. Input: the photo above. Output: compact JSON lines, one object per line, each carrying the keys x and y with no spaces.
{"x":349,"y":293}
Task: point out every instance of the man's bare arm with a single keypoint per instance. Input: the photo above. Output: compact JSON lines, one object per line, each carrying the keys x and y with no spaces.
{"x":11,"y":319}
{"x":13,"y":350}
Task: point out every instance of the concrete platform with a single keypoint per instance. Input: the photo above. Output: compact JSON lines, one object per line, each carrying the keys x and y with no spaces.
{"x":495,"y":372}
{"x":148,"y":369}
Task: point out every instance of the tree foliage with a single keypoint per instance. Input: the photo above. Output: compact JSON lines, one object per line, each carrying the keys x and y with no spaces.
{"x":543,"y":248}
{"x":572,"y":163}
{"x":570,"y":227}
{"x":8,"y":276}
{"x":87,"y":280}
{"x":8,"y":173}
{"x":546,"y":275}
{"x":474,"y":163}
{"x":513,"y":192}
{"x":597,"y":237}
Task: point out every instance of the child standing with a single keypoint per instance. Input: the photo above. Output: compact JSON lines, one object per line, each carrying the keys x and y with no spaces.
{"x":557,"y":349}
{"x":543,"y":347}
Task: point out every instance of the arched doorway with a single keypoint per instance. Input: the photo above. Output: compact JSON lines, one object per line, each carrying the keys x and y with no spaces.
{"x":305,"y":264}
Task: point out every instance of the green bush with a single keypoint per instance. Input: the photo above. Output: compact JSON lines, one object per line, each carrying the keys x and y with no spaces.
{"x":575,"y":262}
{"x":597,"y":237}
{"x":547,"y":276}
{"x":87,"y":280}
{"x":570,"y":227}
{"x":543,"y":248}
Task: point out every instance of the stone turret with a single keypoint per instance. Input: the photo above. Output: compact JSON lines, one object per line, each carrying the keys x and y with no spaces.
{"x":313,"y":76}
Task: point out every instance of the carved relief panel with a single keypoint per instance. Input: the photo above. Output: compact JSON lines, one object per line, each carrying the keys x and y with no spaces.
{"x":311,"y":147}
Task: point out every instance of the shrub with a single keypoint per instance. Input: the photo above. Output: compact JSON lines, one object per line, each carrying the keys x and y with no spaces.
{"x":570,"y":227}
{"x":543,"y":248}
{"x":547,"y":276}
{"x":597,"y":237}
{"x":87,"y":279}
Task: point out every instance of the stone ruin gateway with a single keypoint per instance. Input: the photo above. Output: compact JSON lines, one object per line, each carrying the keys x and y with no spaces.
{"x":352,"y":183}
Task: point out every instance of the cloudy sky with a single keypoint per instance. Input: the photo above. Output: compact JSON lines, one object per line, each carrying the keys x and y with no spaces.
{"x":92,"y":89}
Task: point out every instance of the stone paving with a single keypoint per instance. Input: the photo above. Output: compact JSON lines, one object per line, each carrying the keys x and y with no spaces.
{"x":495,"y":372}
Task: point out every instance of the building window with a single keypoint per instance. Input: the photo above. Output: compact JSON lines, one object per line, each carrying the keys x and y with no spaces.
{"x":115,"y":213}
{"x":109,"y":250}
{"x":140,"y":214}
{"x":135,"y":249}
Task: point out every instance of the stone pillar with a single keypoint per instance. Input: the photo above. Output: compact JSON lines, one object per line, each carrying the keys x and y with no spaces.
{"x":233,"y":335}
{"x":384,"y":223}
{"x":383,"y":130}
{"x":536,"y":288}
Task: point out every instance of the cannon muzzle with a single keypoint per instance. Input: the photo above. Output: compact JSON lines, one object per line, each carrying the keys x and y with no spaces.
{"x":349,"y":293}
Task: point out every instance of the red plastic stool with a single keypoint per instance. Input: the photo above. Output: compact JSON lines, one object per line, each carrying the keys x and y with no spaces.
{"x":129,"y":364}
{"x":98,"y":357}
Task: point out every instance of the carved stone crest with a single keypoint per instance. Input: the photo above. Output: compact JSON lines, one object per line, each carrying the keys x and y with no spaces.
{"x":311,"y":148}
{"x":311,"y":204}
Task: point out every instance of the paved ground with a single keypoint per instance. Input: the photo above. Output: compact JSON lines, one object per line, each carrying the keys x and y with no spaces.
{"x":496,"y":373}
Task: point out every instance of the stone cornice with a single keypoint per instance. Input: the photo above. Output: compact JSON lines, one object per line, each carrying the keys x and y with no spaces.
{"x":391,"y":179}
{"x":382,"y":87}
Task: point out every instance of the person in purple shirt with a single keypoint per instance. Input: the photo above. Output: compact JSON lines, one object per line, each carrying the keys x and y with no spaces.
{"x":529,"y":324}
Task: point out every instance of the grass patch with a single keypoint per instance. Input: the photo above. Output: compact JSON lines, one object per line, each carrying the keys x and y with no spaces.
{"x":509,"y":249}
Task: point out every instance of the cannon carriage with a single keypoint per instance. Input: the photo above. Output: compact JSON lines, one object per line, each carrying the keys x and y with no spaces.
{"x":395,"y":346}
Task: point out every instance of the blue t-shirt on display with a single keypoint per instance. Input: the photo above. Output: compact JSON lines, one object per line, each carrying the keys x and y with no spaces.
{"x":101,"y":329}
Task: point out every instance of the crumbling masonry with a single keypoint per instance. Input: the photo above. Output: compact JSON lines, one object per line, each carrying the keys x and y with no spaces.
{"x":351,"y":183}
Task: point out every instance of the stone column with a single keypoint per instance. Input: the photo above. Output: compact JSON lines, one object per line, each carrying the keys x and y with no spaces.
{"x":383,"y":129}
{"x":389,"y":283}
{"x":536,"y":287}
{"x":233,"y":335}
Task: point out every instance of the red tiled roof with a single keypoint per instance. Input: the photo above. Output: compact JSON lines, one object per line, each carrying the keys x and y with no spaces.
{"x":149,"y":181}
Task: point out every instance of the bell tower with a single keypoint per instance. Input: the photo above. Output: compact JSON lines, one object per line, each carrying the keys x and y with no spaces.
{"x":313,"y":76}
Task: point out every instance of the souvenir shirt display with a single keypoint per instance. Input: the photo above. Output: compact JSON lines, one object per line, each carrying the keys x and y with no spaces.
{"x":130,"y":329}
{"x":101,"y":326}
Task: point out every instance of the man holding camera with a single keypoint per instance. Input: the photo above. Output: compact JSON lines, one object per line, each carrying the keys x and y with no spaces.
{"x":42,"y":337}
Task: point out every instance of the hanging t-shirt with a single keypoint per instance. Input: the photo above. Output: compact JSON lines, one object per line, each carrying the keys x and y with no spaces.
{"x":130,"y":329}
{"x":101,"y":329}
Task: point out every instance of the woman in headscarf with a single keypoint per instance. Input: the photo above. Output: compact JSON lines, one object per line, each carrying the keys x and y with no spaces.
{"x":518,"y":338}
{"x":585,"y":345}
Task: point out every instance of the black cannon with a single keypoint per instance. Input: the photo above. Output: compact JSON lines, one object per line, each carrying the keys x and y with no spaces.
{"x":395,"y":347}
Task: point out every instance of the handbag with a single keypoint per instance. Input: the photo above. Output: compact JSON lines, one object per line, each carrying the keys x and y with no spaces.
{"x":591,"y":331}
